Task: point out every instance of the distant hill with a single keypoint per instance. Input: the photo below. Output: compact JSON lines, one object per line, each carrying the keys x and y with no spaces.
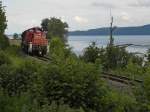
{"x":140,"y":30}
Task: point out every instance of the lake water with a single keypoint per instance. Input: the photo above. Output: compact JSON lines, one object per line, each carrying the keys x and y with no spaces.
{"x":79,"y":43}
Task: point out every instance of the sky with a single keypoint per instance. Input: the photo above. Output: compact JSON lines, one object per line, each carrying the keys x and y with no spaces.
{"x":79,"y":14}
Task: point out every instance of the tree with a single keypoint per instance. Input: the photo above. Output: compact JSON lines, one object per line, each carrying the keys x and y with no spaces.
{"x":58,"y":50}
{"x":148,"y":55}
{"x":44,"y":24}
{"x":55,"y":28}
{"x":116,"y":57}
{"x":111,"y":57}
{"x":3,"y":24}
{"x":15,"y":36}
{"x":3,"y":21}
{"x":92,"y":53}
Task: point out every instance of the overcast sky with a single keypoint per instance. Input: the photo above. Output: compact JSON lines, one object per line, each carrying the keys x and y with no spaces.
{"x":79,"y":14}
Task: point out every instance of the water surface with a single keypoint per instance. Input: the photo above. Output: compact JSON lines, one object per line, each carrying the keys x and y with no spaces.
{"x":79,"y":43}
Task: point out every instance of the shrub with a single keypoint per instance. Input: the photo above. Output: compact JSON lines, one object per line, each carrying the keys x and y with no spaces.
{"x":59,"y":51}
{"x":119,"y":102}
{"x":18,"y":80}
{"x":4,"y":59}
{"x":116,"y":57}
{"x":4,"y":42}
{"x":75,"y":83}
{"x":91,"y":53}
{"x":24,"y":103}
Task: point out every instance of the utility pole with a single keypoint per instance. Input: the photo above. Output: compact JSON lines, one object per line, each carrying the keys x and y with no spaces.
{"x":111,"y":32}
{"x":112,"y":28}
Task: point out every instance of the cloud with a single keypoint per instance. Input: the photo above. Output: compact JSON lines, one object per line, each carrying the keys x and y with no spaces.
{"x":140,"y":3}
{"x":80,"y":20}
{"x":103,"y":5}
{"x":79,"y":14}
{"x":125,"y":16}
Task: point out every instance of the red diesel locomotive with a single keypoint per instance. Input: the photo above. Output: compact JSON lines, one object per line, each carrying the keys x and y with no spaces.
{"x":34,"y":41}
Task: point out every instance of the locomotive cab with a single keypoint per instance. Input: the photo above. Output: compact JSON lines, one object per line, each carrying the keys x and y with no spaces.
{"x":34,"y":41}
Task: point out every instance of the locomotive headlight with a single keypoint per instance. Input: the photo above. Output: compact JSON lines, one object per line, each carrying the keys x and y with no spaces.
{"x":47,"y":48}
{"x":30,"y":47}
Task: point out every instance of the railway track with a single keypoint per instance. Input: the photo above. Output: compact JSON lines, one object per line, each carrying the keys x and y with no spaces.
{"x":121,"y":79}
{"x":40,"y":58}
{"x":46,"y":59}
{"x":105,"y":75}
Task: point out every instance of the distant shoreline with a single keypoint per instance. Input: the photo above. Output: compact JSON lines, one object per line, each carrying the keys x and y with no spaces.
{"x":139,"y":30}
{"x":105,"y":31}
{"x":108,"y":35}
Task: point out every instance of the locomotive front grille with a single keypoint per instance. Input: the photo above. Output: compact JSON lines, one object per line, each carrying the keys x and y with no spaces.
{"x":38,"y":48}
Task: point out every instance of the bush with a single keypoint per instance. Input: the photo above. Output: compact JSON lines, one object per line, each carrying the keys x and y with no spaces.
{"x":4,"y":42}
{"x":147,"y":84}
{"x":59,"y":51}
{"x":14,"y":51}
{"x":18,"y":80}
{"x":92,"y":53}
{"x":75,"y":83}
{"x":15,"y":104}
{"x":119,"y":102}
{"x":116,"y":57}
{"x":24,"y":103}
{"x":111,"y":57}
{"x":4,"y":59}
{"x":131,"y":70}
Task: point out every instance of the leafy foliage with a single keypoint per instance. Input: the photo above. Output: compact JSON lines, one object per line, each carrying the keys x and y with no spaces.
{"x":117,"y":102}
{"x":55,"y":28}
{"x":4,"y":42}
{"x":92,"y":53}
{"x":3,"y":21}
{"x":25,"y":104}
{"x":59,"y":51}
{"x":4,"y":59}
{"x":116,"y":57}
{"x":17,"y":80}
{"x":15,"y":36}
{"x":66,"y":84}
{"x":146,"y":84}
{"x":3,"y":24}
{"x":75,"y":83}
{"x":148,"y":55}
{"x":111,"y":57}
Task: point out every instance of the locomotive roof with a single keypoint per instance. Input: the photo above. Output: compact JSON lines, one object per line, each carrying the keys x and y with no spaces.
{"x":35,"y":28}
{"x":32,"y":29}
